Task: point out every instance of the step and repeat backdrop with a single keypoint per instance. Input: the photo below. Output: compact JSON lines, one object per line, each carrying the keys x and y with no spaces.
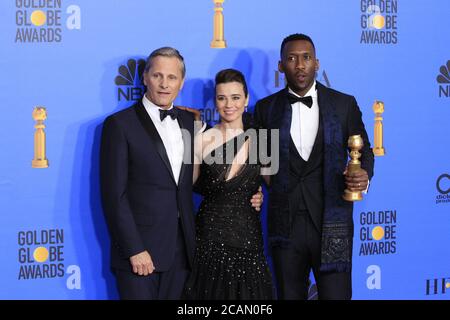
{"x":68,"y":64}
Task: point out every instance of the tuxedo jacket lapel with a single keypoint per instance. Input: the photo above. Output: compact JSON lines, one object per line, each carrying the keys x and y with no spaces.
{"x":281,"y":117}
{"x":333,"y":152}
{"x":188,"y":138}
{"x":293,"y":147}
{"x":325,"y":105}
{"x":150,"y":128}
{"x":331,"y":126}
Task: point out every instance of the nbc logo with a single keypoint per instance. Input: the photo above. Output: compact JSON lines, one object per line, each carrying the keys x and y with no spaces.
{"x":444,"y":80}
{"x":129,"y":80}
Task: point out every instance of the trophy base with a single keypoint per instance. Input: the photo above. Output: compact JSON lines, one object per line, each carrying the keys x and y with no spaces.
{"x":378,"y":151}
{"x":352,"y":195}
{"x":39,"y":164}
{"x":218,"y":44}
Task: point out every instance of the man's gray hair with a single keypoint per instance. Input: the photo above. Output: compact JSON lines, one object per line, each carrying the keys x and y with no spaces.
{"x":165,"y":52}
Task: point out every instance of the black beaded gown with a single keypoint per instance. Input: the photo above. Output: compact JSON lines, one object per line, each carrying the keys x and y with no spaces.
{"x":229,"y":262}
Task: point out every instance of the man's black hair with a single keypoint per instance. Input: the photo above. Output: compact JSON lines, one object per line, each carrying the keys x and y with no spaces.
{"x":294,"y":37}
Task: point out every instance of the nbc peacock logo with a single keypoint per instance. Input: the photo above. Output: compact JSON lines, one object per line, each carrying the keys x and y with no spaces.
{"x":443,"y":80}
{"x":129,"y":80}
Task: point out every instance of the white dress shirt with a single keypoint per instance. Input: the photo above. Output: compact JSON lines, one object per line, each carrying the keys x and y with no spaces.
{"x":170,"y":133}
{"x":305,"y":123}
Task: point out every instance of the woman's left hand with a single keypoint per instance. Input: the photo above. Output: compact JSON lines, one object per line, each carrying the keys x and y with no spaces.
{"x":257,"y":199}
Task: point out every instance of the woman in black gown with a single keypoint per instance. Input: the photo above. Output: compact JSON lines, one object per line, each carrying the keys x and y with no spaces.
{"x":229,"y":261}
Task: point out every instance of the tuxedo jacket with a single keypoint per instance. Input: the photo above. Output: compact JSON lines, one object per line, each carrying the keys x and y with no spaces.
{"x":142,"y":202}
{"x":322,"y":190}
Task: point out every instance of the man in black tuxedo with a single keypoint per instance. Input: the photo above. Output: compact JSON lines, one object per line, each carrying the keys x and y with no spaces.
{"x":310,"y":226}
{"x":146,"y":184}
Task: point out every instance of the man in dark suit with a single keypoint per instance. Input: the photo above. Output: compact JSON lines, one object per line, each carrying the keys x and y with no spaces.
{"x":310,"y":226}
{"x":146,"y":187}
{"x":146,"y":184}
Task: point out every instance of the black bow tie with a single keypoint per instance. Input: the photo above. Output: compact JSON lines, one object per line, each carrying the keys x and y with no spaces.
{"x":308,"y":101}
{"x":164,"y":113}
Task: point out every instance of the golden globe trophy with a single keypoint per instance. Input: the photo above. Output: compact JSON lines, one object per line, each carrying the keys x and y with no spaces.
{"x":355,"y":143}
{"x":39,"y":161}
{"x":218,"y":40}
{"x":378,"y":109}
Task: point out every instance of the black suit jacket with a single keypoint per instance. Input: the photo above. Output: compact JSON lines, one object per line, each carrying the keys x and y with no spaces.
{"x":321,"y":194}
{"x":141,"y":200}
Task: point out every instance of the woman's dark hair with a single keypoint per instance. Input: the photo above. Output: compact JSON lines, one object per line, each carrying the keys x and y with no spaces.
{"x":231,"y":75}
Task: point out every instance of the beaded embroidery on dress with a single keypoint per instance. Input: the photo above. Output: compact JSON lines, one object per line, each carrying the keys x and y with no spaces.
{"x":229,"y":260}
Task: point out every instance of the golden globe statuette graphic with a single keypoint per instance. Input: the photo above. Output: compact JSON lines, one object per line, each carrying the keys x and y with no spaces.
{"x":378,"y":109}
{"x":218,"y":40}
{"x":355,"y":143}
{"x":39,"y":161}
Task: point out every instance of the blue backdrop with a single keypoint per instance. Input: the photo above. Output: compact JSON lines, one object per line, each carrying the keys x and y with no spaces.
{"x":67,"y":55}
